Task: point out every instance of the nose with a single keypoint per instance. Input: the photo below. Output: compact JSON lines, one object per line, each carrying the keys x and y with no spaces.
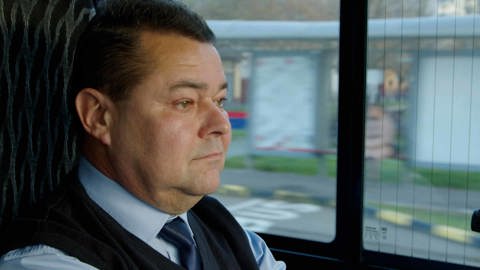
{"x":215,"y":121}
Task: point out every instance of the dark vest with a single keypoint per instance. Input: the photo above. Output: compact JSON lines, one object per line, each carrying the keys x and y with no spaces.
{"x":72,"y":222}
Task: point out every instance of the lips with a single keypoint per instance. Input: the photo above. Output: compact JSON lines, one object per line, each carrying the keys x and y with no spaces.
{"x":213,"y":155}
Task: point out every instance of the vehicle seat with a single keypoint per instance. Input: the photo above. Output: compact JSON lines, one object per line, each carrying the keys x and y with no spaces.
{"x":37,"y":142}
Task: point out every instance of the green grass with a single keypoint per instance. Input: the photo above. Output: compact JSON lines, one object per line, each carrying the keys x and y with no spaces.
{"x":386,"y":170}
{"x":237,"y":162}
{"x":449,"y":178}
{"x":305,"y":166}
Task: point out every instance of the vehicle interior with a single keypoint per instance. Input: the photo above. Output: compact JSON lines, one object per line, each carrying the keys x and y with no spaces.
{"x":355,"y":123}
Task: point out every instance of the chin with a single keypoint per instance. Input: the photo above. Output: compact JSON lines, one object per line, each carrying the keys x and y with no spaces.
{"x":209,"y":183}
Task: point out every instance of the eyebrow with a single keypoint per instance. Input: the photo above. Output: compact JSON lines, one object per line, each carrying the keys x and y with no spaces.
{"x":195,"y":85}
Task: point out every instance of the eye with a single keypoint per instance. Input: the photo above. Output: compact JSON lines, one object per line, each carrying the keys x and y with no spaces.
{"x":183,"y":104}
{"x":221,"y":102}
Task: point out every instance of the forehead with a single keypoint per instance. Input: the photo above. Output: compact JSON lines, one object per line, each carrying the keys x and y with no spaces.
{"x":173,"y":60}
{"x":173,"y":50}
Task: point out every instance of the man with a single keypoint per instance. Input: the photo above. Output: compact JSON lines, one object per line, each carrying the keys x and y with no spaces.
{"x":149,"y":93}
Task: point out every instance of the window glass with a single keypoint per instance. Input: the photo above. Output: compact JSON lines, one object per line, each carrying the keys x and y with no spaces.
{"x":422,"y":164}
{"x":281,"y":63}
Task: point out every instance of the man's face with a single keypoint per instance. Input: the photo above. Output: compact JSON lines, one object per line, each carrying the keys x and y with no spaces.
{"x":170,"y":136}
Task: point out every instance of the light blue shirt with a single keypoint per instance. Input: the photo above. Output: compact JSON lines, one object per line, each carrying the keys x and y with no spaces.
{"x":137,"y":217}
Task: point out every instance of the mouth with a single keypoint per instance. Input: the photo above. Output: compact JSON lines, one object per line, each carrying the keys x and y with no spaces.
{"x":212,"y":156}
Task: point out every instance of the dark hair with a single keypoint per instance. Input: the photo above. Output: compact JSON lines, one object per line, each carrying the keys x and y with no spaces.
{"x":108,"y":55}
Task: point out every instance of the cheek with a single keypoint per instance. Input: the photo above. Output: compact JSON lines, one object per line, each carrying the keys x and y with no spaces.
{"x":172,"y":137}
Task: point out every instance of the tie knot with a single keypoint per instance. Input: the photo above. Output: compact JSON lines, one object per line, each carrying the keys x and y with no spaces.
{"x":177,"y":233}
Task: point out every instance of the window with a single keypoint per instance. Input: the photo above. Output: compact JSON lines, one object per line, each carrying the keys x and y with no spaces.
{"x":422,"y":164}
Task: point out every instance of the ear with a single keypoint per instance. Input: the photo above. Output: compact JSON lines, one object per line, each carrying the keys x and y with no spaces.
{"x":95,"y":112}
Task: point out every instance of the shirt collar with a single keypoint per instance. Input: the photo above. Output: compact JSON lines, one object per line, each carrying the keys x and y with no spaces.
{"x":139,"y":218}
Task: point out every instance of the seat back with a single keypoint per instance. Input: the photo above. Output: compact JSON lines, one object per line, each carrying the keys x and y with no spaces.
{"x":38,"y":145}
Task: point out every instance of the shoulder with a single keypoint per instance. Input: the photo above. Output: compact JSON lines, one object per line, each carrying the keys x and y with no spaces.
{"x":40,"y":257}
{"x":262,"y":254}
{"x":20,"y":231}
